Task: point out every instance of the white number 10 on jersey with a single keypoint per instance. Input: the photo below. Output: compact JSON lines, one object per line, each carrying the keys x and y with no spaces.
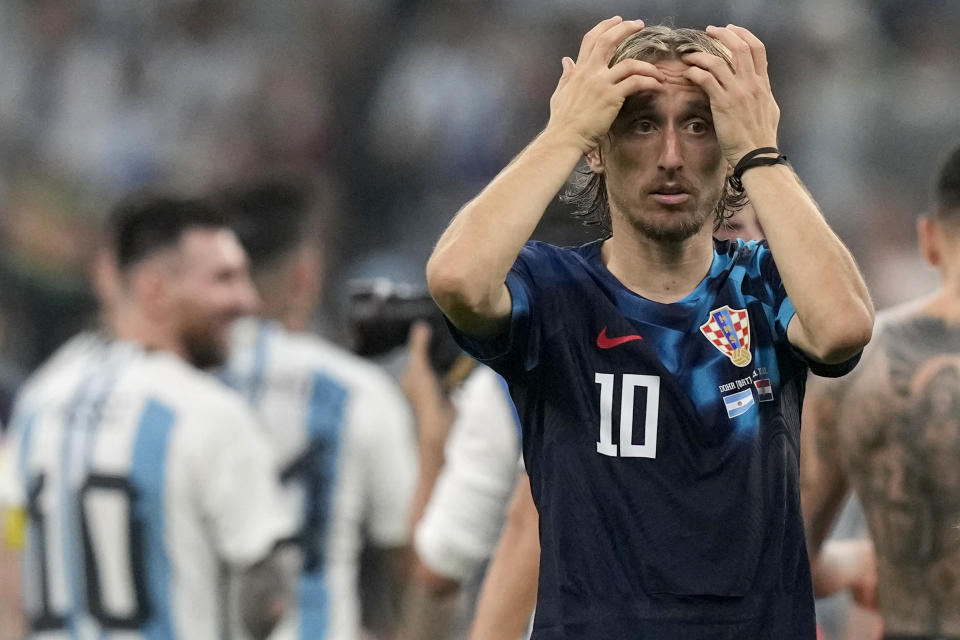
{"x":627,"y":448}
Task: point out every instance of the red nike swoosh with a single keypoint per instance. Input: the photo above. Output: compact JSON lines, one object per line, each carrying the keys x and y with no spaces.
{"x":606,"y":343}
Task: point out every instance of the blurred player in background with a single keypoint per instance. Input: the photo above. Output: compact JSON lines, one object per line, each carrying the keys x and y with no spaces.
{"x":144,"y":480}
{"x":339,"y":425}
{"x":891,"y":431}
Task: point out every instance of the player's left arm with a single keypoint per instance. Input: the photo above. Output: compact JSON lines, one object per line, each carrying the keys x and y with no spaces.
{"x":13,"y":526}
{"x":834,"y":313}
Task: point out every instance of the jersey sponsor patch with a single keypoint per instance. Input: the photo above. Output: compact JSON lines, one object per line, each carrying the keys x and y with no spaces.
{"x":764,"y":389}
{"x":729,"y":331}
{"x":738,"y":403}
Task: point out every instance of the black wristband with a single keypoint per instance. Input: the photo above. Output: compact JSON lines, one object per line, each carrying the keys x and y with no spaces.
{"x":755,"y":158}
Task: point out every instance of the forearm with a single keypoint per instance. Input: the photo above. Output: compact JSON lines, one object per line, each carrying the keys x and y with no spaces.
{"x":431,"y":461}
{"x":12,"y":620}
{"x":430,"y":605}
{"x":818,"y":272}
{"x":266,"y":592}
{"x":469,"y":266}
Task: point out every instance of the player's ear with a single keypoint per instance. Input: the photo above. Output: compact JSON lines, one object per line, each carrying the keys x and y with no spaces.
{"x":153,"y":286}
{"x":928,"y":238}
{"x":595,"y":160}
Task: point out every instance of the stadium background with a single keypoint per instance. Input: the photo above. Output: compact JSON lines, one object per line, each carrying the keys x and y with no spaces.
{"x":406,"y":109}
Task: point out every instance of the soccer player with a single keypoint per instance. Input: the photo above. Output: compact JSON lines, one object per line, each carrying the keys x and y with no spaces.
{"x":891,"y":431}
{"x":658,"y":375}
{"x":144,"y":480}
{"x":338,"y":424}
{"x":509,"y":589}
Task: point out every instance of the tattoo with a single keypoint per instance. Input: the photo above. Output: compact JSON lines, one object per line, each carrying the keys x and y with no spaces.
{"x":898,"y":433}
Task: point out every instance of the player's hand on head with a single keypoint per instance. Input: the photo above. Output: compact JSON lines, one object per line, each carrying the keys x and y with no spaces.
{"x":745,"y":113}
{"x":590,"y":93}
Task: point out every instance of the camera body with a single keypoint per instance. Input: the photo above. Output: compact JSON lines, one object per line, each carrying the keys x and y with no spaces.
{"x":380,"y":313}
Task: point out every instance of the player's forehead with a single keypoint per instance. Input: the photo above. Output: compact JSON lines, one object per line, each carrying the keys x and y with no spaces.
{"x":211,"y":247}
{"x":676,"y":90}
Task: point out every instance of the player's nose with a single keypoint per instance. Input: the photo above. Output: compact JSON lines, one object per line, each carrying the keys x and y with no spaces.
{"x":671,"y":156}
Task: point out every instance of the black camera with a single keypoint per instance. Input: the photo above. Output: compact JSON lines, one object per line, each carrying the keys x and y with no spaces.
{"x":380,"y":313}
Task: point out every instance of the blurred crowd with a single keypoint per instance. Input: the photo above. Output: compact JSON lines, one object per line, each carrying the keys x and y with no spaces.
{"x":404,"y":109}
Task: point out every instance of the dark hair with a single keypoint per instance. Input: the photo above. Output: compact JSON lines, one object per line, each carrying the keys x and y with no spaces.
{"x":948,"y":187}
{"x":587,"y":191}
{"x":144,"y":224}
{"x":270,"y":217}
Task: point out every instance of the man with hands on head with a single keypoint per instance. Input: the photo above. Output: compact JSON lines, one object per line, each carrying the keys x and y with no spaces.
{"x":658,"y":375}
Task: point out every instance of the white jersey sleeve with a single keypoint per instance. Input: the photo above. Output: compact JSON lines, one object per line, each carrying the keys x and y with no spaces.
{"x":11,"y":493}
{"x":463,"y":520}
{"x":238,"y":487}
{"x":390,"y":460}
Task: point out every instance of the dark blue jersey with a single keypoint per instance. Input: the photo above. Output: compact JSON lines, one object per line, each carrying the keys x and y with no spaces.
{"x":662,"y":443}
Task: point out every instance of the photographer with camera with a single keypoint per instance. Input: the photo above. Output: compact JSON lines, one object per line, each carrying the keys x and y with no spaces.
{"x":469,"y":446}
{"x":340,"y":427}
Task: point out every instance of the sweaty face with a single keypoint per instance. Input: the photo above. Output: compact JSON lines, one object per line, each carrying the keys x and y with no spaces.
{"x":663,"y":165}
{"x":213,"y":289}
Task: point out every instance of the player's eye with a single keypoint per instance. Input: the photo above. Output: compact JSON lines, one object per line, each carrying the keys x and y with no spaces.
{"x":698,"y":127}
{"x":643,"y":126}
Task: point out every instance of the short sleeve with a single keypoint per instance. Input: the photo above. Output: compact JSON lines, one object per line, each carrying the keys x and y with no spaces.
{"x":517,"y":347}
{"x":391,"y":462}
{"x":241,"y":492}
{"x":10,"y":491}
{"x":14,"y":446}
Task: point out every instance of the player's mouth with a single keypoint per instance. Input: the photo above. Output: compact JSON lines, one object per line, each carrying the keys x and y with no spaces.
{"x":670,"y":194}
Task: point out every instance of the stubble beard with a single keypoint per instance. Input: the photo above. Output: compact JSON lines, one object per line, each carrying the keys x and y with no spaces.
{"x":204,"y":349}
{"x":681,"y":224}
{"x":673,"y":232}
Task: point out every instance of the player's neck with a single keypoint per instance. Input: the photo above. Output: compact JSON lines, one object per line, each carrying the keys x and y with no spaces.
{"x":945,"y":302}
{"x":660,"y":271}
{"x":130,"y":325}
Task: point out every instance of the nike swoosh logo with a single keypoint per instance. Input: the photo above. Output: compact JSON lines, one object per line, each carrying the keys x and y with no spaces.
{"x":608,"y":343}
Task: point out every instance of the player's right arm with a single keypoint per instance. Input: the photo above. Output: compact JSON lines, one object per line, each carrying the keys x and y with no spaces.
{"x":12,"y":534}
{"x":240,"y":495}
{"x":468,"y":269}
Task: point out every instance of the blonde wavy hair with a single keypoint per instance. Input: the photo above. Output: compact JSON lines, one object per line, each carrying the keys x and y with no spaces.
{"x":587,"y":191}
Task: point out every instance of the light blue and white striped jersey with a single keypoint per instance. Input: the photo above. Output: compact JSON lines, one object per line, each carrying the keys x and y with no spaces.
{"x":144,"y":479}
{"x":343,"y":433}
